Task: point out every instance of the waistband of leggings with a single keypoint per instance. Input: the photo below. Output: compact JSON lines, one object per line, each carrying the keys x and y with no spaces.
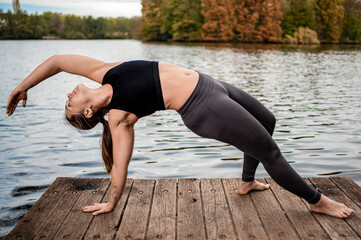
{"x":199,"y":95}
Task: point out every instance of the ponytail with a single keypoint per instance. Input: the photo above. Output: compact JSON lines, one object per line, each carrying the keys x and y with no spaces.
{"x":107,"y":146}
{"x":82,"y":123}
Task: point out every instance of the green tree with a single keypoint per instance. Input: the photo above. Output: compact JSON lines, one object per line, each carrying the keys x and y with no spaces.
{"x":154,"y":13}
{"x":72,"y":27}
{"x":36,"y":26}
{"x":186,"y":20}
{"x":351,"y":30}
{"x":300,"y":13}
{"x":54,"y":23}
{"x":133,"y":28}
{"x":23,"y":26}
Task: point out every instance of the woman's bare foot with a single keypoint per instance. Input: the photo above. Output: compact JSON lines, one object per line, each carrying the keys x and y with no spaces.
{"x":331,"y":207}
{"x":246,"y":187}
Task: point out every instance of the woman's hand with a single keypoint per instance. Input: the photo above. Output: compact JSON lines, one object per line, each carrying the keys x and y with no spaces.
{"x":98,"y":208}
{"x":17,"y":95}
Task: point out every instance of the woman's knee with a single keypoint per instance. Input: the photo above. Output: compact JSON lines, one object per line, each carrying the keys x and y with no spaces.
{"x":269,"y":122}
{"x":269,"y":154}
{"x":272,"y":122}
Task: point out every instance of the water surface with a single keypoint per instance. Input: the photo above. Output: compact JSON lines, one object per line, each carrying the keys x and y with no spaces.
{"x":314,"y":93}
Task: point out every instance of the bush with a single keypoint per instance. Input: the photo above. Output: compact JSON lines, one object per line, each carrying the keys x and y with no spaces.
{"x":302,"y":36}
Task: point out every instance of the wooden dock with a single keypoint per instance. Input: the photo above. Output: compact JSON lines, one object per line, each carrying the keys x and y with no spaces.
{"x":190,"y":208}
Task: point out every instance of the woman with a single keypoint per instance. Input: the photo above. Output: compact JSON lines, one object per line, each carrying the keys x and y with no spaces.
{"x":209,"y":107}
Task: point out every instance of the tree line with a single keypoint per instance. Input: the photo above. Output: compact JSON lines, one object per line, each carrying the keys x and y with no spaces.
{"x":293,"y":21}
{"x":21,"y":25}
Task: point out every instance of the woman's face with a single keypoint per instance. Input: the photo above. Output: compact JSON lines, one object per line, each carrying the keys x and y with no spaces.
{"x":76,"y":102}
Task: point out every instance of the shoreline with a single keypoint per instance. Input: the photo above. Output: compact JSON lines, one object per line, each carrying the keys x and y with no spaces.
{"x":51,"y":38}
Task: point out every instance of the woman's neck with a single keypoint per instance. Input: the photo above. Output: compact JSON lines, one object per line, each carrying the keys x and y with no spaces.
{"x":101,"y":97}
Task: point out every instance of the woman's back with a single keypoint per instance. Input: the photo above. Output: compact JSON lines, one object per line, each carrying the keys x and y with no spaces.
{"x":136,"y":87}
{"x":177,"y":84}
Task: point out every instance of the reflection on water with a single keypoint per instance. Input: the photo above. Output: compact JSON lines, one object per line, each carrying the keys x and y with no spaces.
{"x":314,"y":92}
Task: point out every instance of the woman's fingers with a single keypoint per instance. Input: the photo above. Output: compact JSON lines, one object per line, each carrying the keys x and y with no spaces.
{"x":9,"y":105}
{"x":90,"y":208}
{"x":98,"y":208}
{"x":13,"y":105}
{"x":98,"y":212}
{"x":14,"y":99}
{"x":13,"y":102}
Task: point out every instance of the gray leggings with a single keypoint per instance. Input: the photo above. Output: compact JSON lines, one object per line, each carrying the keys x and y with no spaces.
{"x":221,"y":111}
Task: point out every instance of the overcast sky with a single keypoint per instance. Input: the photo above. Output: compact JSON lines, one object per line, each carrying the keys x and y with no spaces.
{"x":104,"y":8}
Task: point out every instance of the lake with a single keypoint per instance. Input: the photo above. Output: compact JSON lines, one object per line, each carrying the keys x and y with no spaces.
{"x":314,"y":92}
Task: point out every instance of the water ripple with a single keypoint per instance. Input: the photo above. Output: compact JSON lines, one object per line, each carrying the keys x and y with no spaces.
{"x":21,"y":191}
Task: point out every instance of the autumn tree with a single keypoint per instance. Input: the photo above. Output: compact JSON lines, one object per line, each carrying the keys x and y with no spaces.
{"x":269,"y":25}
{"x":258,"y":21}
{"x":329,"y":15}
{"x":219,"y":20}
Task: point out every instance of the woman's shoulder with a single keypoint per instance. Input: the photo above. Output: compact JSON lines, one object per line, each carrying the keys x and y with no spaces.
{"x":117,"y":117}
{"x":107,"y":69}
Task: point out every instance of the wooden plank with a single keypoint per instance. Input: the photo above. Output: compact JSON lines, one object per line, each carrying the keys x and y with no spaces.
{"x":300,"y":216}
{"x":38,"y":213}
{"x":349,"y":187}
{"x":201,"y":212}
{"x":355,"y":219}
{"x":77,"y":221}
{"x":219,"y":224}
{"x":337,"y":227}
{"x":162,"y":219}
{"x":136,"y":214}
{"x":55,"y":219}
{"x":190,"y":222}
{"x":272,"y":215}
{"x":246,"y":220}
{"x":104,"y":226}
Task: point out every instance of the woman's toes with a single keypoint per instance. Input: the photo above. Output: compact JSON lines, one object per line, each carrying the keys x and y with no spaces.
{"x":349,"y":211}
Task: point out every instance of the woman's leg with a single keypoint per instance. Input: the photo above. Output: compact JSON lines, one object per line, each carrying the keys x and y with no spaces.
{"x":224,"y":119}
{"x":211,"y":113}
{"x":261,"y":113}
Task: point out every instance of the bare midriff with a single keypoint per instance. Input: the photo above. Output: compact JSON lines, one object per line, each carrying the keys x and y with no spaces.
{"x":177,"y":84}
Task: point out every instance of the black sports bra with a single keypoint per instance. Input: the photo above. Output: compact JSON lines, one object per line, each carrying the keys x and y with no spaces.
{"x":136,"y":87}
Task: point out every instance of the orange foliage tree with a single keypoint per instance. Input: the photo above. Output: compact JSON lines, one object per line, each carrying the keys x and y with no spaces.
{"x":242,"y":20}
{"x":269,"y":27}
{"x":218,"y":16}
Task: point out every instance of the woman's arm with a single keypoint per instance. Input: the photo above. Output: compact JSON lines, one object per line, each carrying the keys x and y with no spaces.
{"x":70,"y":63}
{"x":123,"y":142}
